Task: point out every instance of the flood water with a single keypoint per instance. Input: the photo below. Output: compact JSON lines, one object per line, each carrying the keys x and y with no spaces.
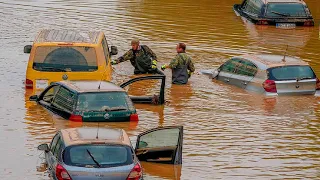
{"x":229,"y":133}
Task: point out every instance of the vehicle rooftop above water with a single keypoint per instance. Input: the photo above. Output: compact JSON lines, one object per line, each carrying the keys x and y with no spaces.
{"x":283,"y":1}
{"x":274,"y":60}
{"x":92,"y":86}
{"x":67,"y":36}
{"x":75,"y":136}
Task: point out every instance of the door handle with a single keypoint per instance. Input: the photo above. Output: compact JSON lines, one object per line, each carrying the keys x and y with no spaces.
{"x":226,"y":79}
{"x":244,"y":83}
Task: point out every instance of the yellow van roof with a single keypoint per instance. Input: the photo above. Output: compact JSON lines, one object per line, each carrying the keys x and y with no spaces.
{"x":67,"y":36}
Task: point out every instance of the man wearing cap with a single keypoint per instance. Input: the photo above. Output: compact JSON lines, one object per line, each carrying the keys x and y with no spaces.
{"x":141,"y":57}
{"x":181,"y":65}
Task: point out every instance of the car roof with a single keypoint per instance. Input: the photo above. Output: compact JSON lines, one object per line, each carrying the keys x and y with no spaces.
{"x":92,"y":86}
{"x":67,"y":36}
{"x":265,"y":61}
{"x":284,"y":1}
{"x":87,"y":135}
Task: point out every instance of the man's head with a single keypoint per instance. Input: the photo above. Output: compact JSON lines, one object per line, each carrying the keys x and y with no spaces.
{"x":181,"y":48}
{"x":135,"y":44}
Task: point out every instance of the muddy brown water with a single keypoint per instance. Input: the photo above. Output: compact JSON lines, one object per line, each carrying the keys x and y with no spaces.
{"x":229,"y":133}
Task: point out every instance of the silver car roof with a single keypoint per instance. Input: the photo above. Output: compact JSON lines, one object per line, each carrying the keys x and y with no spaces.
{"x":76,"y":136}
{"x":92,"y":86}
{"x":265,"y":61}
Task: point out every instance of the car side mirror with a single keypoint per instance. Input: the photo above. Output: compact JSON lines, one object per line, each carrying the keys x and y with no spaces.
{"x":44,"y":147}
{"x":27,"y":49}
{"x":33,"y":98}
{"x":114,"y":50}
{"x":215,"y":73}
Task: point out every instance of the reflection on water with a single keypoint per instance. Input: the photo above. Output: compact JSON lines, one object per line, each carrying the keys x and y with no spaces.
{"x":229,"y":133}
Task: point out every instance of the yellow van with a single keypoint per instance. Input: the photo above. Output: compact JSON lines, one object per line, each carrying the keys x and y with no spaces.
{"x":68,"y":55}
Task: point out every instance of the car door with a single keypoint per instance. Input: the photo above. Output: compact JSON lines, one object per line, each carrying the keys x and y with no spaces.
{"x":243,"y":74}
{"x":46,"y":97}
{"x":56,"y":156}
{"x":226,"y":70}
{"x":63,"y":103}
{"x":50,"y":159}
{"x":161,"y":145}
{"x":149,"y":92}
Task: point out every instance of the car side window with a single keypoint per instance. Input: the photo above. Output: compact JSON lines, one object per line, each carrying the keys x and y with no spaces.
{"x":58,"y":147}
{"x":48,"y":95}
{"x":54,"y":142}
{"x":65,"y":99}
{"x":246,"y":68}
{"x":105,"y":49}
{"x":230,"y":65}
{"x":253,"y":6}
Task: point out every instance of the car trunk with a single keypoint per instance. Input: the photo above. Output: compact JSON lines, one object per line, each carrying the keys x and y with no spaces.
{"x":294,"y":79}
{"x":90,"y":173}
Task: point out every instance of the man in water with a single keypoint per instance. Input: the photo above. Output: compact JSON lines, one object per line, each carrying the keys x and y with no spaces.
{"x":142,"y":59}
{"x":182,"y":66}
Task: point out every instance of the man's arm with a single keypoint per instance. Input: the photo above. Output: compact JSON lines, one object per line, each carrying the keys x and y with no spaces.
{"x":150,"y":52}
{"x":127,"y":56}
{"x":191,"y":65}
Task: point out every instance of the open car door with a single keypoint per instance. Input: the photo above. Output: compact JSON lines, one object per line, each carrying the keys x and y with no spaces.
{"x":161,"y":145}
{"x":148,"y":99}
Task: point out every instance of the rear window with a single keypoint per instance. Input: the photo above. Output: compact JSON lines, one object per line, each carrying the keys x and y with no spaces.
{"x":91,"y":154}
{"x":57,"y":59}
{"x":291,"y":73}
{"x":102,"y":101}
{"x":285,"y":10}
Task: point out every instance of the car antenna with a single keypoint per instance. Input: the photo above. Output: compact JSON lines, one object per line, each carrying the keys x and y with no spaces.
{"x":285,"y":53}
{"x":101,"y":79}
{"x":97,"y":132}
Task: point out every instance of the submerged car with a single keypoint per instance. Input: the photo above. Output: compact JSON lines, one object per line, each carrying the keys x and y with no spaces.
{"x":95,"y":101}
{"x":281,"y":13}
{"x":91,"y":153}
{"x":269,"y":74}
{"x":58,"y":55}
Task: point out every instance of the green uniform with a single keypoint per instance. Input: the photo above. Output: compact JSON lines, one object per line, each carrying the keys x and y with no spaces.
{"x":180,"y":66}
{"x":141,"y":60}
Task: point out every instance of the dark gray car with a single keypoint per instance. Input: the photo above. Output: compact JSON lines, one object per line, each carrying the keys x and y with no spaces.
{"x":91,"y":153}
{"x":269,"y":74}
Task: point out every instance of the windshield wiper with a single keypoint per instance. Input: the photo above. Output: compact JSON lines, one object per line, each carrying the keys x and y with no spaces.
{"x":53,"y":69}
{"x":302,"y":78}
{"x":93,"y":159}
{"x":279,"y":13}
{"x":116,"y":109}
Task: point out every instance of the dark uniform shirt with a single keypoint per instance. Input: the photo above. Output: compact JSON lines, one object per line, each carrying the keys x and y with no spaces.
{"x":180,"y":59}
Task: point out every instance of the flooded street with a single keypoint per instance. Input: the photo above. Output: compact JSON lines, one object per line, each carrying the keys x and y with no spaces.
{"x":229,"y":133}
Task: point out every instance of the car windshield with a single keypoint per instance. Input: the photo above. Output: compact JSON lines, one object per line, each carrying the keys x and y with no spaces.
{"x":104,"y":101}
{"x":62,"y":59}
{"x":285,"y":10}
{"x":97,"y":155}
{"x":291,"y":73}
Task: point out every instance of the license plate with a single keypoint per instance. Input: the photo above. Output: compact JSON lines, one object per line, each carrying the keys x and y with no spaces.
{"x":41,"y":83}
{"x":285,"y":25}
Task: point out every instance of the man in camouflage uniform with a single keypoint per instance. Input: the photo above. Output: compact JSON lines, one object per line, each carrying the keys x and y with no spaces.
{"x":182,"y":66}
{"x":142,"y":59}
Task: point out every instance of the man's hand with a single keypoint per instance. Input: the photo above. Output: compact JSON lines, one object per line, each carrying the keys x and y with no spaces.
{"x":114,"y":62}
{"x":163,"y":67}
{"x":154,"y":64}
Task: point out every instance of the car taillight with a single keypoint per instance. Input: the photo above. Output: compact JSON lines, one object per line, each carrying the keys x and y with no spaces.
{"x":135,"y":173}
{"x":269,"y":85}
{"x":318,"y":84}
{"x":262,"y":22}
{"x":77,"y":118}
{"x":308,"y":23}
{"x":134,"y":117}
{"x":29,"y":84}
{"x":62,"y":173}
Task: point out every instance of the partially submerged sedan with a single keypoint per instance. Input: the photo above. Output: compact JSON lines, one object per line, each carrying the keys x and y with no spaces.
{"x":95,"y":101}
{"x":269,"y":74}
{"x":281,"y":13}
{"x":92,"y":154}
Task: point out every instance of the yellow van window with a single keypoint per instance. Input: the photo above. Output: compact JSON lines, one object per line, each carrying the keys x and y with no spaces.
{"x":55,"y":59}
